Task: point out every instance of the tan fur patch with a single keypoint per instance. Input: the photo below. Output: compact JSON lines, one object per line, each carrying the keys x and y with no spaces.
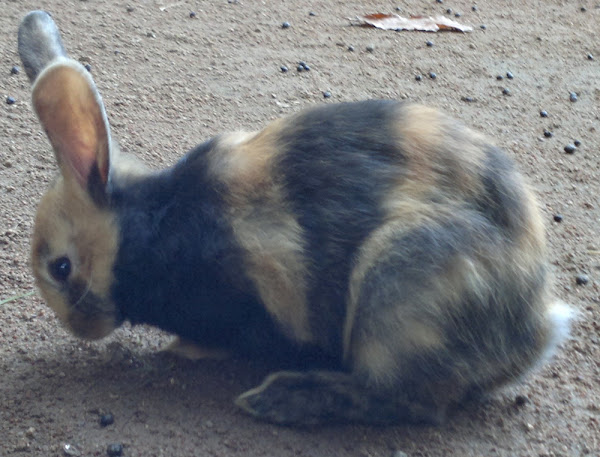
{"x":69,"y":224}
{"x":442,"y":159}
{"x":531,"y":245}
{"x":265,"y":228}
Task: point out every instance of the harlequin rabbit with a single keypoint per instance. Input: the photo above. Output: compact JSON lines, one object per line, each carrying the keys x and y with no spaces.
{"x":392,"y":256}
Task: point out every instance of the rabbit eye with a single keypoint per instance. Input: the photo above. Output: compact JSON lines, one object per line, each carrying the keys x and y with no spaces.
{"x":60,"y":269}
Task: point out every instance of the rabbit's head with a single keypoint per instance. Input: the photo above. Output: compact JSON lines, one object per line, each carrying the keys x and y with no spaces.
{"x":76,"y":237}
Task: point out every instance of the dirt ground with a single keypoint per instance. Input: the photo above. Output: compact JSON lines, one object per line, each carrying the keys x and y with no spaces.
{"x":170,"y":81}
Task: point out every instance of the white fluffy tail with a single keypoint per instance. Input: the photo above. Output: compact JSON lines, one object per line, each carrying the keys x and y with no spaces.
{"x":560,"y":316}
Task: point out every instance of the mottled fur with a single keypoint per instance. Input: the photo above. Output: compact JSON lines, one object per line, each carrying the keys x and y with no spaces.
{"x":390,"y":255}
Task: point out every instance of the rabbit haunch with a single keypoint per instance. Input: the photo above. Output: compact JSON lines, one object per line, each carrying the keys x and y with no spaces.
{"x":391,"y":255}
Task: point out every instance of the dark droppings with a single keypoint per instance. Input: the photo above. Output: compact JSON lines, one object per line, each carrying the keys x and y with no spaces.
{"x":114,"y":450}
{"x":106,"y":419}
{"x":521,"y":400}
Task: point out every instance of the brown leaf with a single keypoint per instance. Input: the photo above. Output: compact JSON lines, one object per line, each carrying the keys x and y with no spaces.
{"x":420,"y":23}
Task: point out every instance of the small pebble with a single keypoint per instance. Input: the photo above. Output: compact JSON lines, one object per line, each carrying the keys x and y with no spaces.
{"x":300,"y":68}
{"x":10,"y":100}
{"x":370,"y":48}
{"x":30,"y":433}
{"x":548,"y":134}
{"x":283,"y":69}
{"x":573,"y":96}
{"x":474,"y":8}
{"x":558,"y":217}
{"x":70,"y":450}
{"x":429,"y":44}
{"x":440,"y":1}
{"x":582,"y":280}
{"x":589,"y":57}
{"x":130,"y":9}
{"x":468,"y":99}
{"x":418,"y":77}
{"x":449,"y":11}
{"x":351,"y":48}
{"x":529,"y":427}
{"x":88,"y":67}
{"x":312,"y":13}
{"x":570,"y":149}
{"x":327,"y":94}
{"x":15,"y":70}
{"x":583,"y":9}
{"x":285,"y":25}
{"x":544,"y":113}
{"x":577,"y":143}
{"x":114,"y":450}
{"x":432,"y":75}
{"x":106,"y":420}
{"x":192,"y":14}
{"x":483,"y":26}
{"x":521,"y":400}
{"x":509,"y":75}
{"x":506,"y":91}
{"x":457,"y":14}
{"x":499,"y":77}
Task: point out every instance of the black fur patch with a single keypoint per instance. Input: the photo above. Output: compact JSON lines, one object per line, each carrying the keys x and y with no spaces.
{"x":179,"y":267}
{"x":96,"y":187}
{"x":338,"y":164}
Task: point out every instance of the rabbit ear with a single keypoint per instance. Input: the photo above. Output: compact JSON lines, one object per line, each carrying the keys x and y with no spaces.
{"x":71,"y":111}
{"x":39,"y":42}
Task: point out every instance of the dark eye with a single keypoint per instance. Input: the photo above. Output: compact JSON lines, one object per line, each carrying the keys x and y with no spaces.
{"x":60,"y":269}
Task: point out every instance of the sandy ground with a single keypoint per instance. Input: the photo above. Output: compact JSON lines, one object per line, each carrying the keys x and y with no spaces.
{"x":170,"y":81}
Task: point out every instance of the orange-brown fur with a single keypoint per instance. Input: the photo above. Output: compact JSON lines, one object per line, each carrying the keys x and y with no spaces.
{"x":68,"y":222}
{"x":264,"y":227}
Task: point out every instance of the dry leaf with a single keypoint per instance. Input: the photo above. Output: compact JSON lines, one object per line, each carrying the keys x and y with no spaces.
{"x":420,"y":23}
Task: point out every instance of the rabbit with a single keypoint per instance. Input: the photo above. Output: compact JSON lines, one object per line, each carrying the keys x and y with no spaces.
{"x":390,"y":260}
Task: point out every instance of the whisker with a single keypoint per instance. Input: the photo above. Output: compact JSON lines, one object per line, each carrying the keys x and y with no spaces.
{"x":83,"y":295}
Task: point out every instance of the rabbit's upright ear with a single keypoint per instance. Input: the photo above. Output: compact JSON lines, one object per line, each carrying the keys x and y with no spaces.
{"x":68,"y":105}
{"x":71,"y":112}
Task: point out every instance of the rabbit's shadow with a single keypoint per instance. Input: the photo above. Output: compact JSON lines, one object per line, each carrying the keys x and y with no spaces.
{"x":143,"y":384}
